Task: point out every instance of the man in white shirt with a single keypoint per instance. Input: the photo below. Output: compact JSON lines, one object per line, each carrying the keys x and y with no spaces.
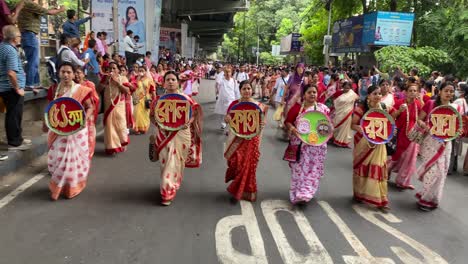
{"x":218,"y":78}
{"x":65,"y":54}
{"x":241,"y":75}
{"x":228,"y":92}
{"x":129,"y":48}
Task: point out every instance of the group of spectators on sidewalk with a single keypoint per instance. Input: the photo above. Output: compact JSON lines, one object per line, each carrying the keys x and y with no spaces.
{"x":15,"y":78}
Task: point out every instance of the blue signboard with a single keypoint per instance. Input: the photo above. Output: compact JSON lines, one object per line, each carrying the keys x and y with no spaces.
{"x":347,"y":35}
{"x":369,"y":28}
{"x":296,"y":44}
{"x":388,"y":28}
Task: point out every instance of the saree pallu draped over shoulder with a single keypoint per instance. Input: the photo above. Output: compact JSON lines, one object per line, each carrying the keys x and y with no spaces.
{"x":344,"y":107}
{"x":69,"y":157}
{"x":115,"y":122}
{"x":177,"y":150}
{"x":242,"y":157}
{"x":433,"y":171}
{"x":369,"y":170}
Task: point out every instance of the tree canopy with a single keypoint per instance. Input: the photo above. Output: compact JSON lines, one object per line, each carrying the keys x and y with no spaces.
{"x":440,"y":24}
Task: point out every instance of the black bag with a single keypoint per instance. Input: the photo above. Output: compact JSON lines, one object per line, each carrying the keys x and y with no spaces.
{"x":148,"y":103}
{"x":391,"y":145}
{"x":152,"y":154}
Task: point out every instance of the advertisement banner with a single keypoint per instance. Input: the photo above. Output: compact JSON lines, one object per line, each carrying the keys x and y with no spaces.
{"x":170,"y":38}
{"x":347,"y":35}
{"x":388,"y":28}
{"x":132,"y":17}
{"x":393,"y":28}
{"x":102,"y":22}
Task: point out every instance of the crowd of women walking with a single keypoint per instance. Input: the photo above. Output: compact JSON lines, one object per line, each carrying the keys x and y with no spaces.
{"x":343,"y":94}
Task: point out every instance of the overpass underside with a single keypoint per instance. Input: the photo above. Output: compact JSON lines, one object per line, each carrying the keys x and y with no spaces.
{"x":207,"y":20}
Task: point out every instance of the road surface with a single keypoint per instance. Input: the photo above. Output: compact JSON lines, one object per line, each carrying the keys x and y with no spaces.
{"x":118,"y":219}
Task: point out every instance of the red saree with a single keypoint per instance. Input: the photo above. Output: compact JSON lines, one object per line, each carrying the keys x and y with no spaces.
{"x":242,"y":157}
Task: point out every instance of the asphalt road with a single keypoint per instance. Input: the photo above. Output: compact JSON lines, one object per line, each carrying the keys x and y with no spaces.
{"x":117,"y":219}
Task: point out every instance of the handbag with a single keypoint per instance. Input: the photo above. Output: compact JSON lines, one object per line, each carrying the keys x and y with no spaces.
{"x":135,"y":99}
{"x":465,"y":126}
{"x":292,"y":153}
{"x":392,"y":145}
{"x":417,"y":134}
{"x":152,"y":154}
{"x":148,"y":103}
{"x":278,"y":113}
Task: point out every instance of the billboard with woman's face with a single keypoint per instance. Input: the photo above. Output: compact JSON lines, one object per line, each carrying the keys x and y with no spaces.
{"x":132,"y":17}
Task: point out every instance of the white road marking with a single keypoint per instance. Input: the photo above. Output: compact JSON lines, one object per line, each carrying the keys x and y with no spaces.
{"x":429,"y":256}
{"x":224,"y":247}
{"x":317,"y":252}
{"x":364,"y":256}
{"x":11,"y":196}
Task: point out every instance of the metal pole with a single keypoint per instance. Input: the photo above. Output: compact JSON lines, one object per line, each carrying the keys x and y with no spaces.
{"x":258,"y":45}
{"x":243,"y":42}
{"x":327,"y":47}
{"x":115,"y":21}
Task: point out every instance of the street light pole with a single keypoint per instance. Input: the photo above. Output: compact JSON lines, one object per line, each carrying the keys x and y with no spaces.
{"x":327,"y":42}
{"x":115,"y":20}
{"x":258,"y":44}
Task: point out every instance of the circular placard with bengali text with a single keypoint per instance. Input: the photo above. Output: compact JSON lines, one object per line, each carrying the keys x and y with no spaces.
{"x":315,"y":128}
{"x":172,"y":112}
{"x":246,"y":119}
{"x":377,"y":126}
{"x":445,"y":123}
{"x":65,"y":116}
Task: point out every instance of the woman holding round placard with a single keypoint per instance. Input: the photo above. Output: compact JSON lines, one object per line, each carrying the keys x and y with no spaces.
{"x":309,"y":168}
{"x":344,"y":107}
{"x":435,"y":154}
{"x":403,"y":161}
{"x":176,"y":149}
{"x":116,"y":87}
{"x":69,"y":158}
{"x":369,"y":160}
{"x":242,"y":154}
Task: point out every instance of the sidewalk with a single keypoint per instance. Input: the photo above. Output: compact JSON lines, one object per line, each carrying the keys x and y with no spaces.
{"x":19,"y":159}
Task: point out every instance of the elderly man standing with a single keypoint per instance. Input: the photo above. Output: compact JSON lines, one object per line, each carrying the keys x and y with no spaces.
{"x":12,"y":82}
{"x":29,"y":25}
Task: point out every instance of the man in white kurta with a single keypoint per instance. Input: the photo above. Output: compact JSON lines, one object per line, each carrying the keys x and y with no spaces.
{"x":228,"y":92}
{"x":218,"y":78}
